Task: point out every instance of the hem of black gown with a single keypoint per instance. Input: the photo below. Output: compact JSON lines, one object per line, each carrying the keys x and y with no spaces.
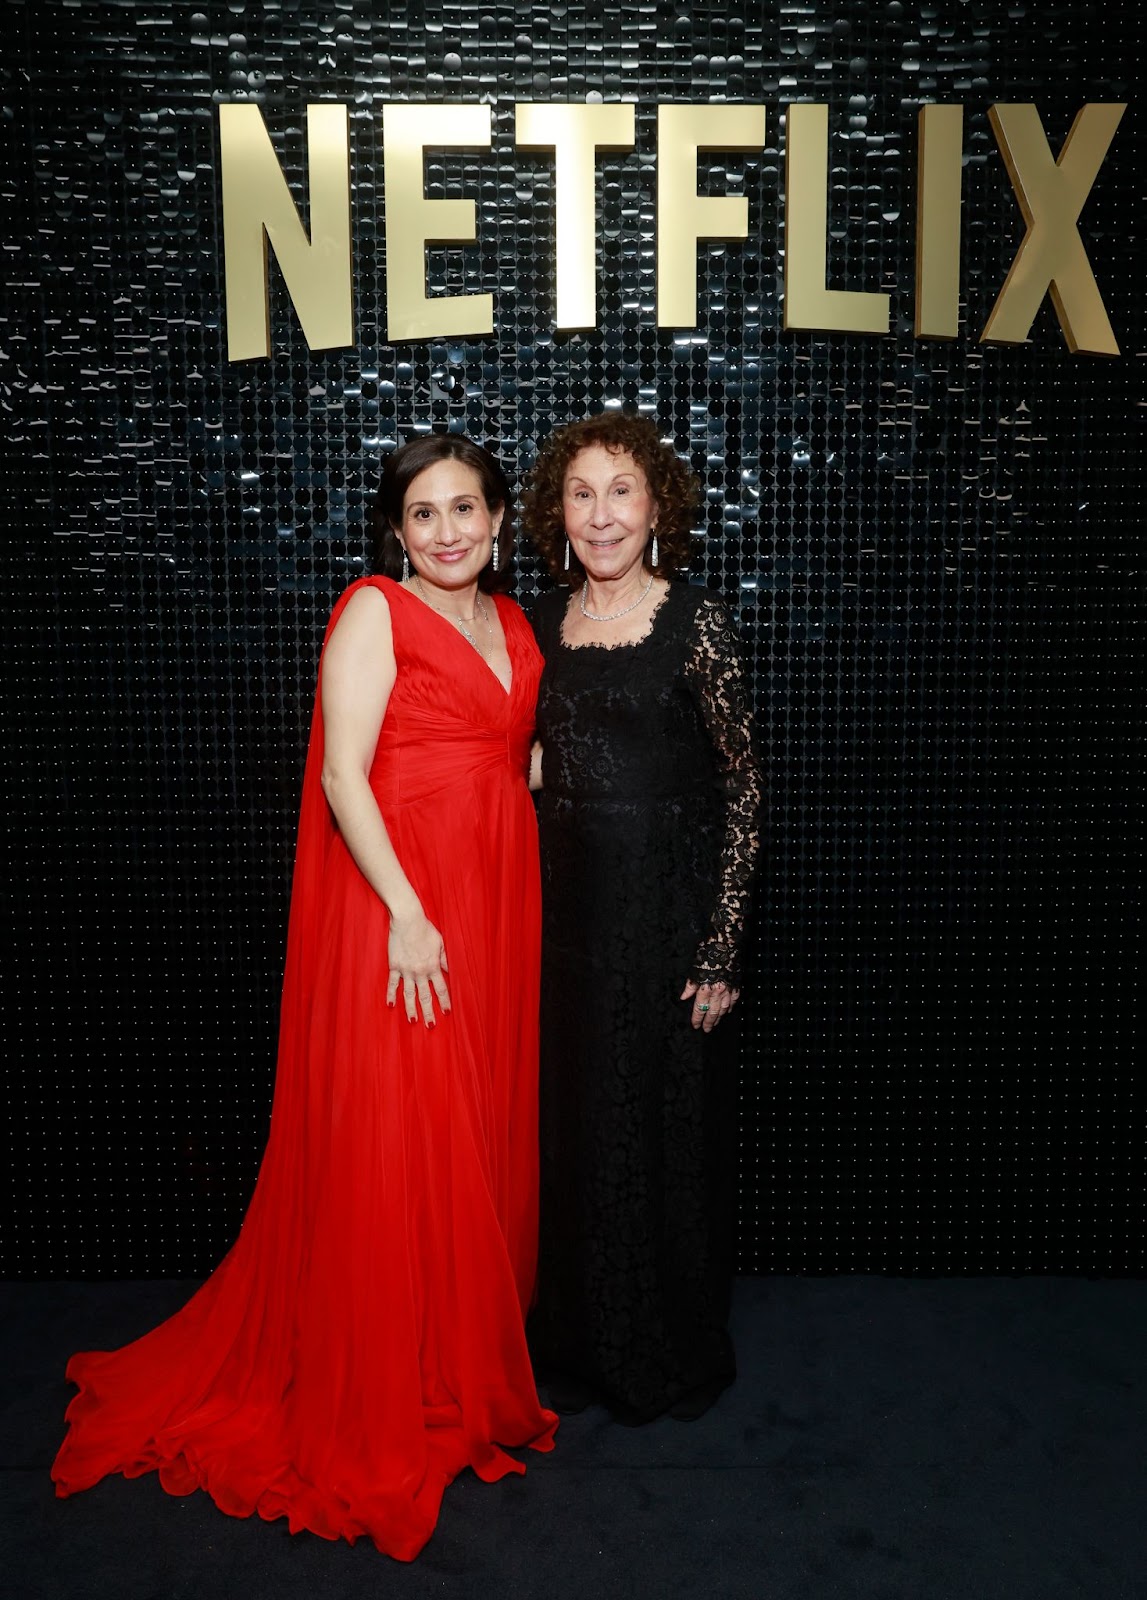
{"x":569,"y":1395}
{"x":695,"y":1402}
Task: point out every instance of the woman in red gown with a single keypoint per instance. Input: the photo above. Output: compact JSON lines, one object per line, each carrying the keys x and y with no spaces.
{"x":363,"y":1340}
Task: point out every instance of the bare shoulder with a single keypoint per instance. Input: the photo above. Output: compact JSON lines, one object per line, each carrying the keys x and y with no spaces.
{"x":365,"y":610}
{"x":361,"y":630}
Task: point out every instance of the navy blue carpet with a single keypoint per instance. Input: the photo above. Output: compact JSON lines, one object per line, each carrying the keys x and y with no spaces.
{"x":899,"y":1439}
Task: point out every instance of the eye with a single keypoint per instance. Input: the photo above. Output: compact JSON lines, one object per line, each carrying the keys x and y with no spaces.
{"x":622,"y":488}
{"x":464,"y":508}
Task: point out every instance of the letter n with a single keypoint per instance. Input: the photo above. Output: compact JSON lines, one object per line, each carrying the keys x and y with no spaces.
{"x":257,"y":208}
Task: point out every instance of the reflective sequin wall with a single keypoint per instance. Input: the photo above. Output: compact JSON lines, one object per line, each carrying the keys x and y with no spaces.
{"x":932,"y":548}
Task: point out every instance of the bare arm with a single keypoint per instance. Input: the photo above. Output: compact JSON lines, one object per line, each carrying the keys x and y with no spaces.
{"x":536,"y":765}
{"x":358,"y":675}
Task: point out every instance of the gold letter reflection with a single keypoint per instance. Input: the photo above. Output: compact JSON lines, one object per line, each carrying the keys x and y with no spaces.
{"x":808,"y":304}
{"x":1051,"y":196}
{"x":575,"y":134}
{"x":413,"y":221}
{"x":257,"y":206}
{"x":684,"y":216}
{"x":939,"y":171}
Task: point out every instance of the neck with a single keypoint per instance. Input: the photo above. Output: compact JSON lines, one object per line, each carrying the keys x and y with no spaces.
{"x":461,"y":602}
{"x":610,"y":594}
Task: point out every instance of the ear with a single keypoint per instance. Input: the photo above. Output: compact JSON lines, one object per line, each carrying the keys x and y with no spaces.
{"x":498,"y":513}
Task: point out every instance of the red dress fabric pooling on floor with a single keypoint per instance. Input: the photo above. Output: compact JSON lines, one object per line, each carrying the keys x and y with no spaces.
{"x":363,"y":1340}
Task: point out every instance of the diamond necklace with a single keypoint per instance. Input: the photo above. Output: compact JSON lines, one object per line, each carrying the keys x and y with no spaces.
{"x":459,"y":623}
{"x":608,"y":616}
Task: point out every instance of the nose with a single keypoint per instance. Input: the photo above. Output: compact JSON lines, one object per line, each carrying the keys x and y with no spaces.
{"x":601,"y":517}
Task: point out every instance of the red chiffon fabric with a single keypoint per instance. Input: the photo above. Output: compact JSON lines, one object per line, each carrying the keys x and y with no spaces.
{"x":363,"y":1340}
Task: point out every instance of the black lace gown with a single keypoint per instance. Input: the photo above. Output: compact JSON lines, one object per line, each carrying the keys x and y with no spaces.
{"x":649,"y":832}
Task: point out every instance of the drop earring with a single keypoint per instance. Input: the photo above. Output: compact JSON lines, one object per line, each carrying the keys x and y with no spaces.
{"x":653,"y":552}
{"x":566,"y":563}
{"x":494,"y":553}
{"x":405,"y":566}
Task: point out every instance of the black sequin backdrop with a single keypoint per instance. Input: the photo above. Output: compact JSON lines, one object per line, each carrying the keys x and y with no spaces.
{"x":933,"y":549}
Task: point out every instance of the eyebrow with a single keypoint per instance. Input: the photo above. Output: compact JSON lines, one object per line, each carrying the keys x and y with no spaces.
{"x":452,"y":500}
{"x":575,"y":477}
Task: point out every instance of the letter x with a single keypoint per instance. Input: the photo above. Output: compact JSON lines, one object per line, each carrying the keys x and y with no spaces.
{"x":1052,"y":257}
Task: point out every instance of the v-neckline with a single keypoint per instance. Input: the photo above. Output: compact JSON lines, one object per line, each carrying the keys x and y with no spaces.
{"x":507,"y":690}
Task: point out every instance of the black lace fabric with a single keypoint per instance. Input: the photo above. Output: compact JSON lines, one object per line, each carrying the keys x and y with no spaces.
{"x":649,"y":817}
{"x":715,"y":672}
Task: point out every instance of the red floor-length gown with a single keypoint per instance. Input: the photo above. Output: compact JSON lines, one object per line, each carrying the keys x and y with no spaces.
{"x":363,"y":1340}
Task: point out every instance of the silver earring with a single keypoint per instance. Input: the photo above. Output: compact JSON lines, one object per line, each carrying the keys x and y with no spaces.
{"x":494,"y":553}
{"x":567,"y":560}
{"x":654,"y":550}
{"x":405,"y":566}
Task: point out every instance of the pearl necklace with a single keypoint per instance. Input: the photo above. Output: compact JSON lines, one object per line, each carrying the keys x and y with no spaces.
{"x":608,"y":616}
{"x":459,"y":622}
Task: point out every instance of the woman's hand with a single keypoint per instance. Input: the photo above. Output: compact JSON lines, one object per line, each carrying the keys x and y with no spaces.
{"x":417,"y":959}
{"x":712,"y":1002}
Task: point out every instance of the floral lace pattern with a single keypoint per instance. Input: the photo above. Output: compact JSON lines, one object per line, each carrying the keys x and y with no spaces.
{"x":716,"y":673}
{"x":649,"y":830}
{"x":690,"y":657}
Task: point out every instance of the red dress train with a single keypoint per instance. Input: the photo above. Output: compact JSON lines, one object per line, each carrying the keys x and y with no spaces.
{"x":363,"y":1340}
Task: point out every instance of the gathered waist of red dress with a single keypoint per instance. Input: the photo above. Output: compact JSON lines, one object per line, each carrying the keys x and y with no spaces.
{"x":413,"y":770}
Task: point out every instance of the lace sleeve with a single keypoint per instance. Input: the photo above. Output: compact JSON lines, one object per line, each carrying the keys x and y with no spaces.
{"x":717,"y":678}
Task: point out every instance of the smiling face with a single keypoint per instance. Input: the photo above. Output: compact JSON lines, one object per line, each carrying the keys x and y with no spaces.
{"x":447,"y":527}
{"x":608,"y":510}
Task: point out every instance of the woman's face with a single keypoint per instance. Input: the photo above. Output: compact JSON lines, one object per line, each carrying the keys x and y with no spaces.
{"x":447,"y":527}
{"x":609,"y":511}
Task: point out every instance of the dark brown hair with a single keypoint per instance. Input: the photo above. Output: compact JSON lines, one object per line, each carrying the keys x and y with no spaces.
{"x":672,"y":484}
{"x":399,"y":472}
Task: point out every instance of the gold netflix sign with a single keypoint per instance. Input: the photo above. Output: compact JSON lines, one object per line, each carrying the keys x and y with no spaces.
{"x":258,"y":208}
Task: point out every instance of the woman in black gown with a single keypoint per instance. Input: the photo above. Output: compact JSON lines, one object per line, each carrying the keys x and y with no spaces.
{"x":649,"y":830}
